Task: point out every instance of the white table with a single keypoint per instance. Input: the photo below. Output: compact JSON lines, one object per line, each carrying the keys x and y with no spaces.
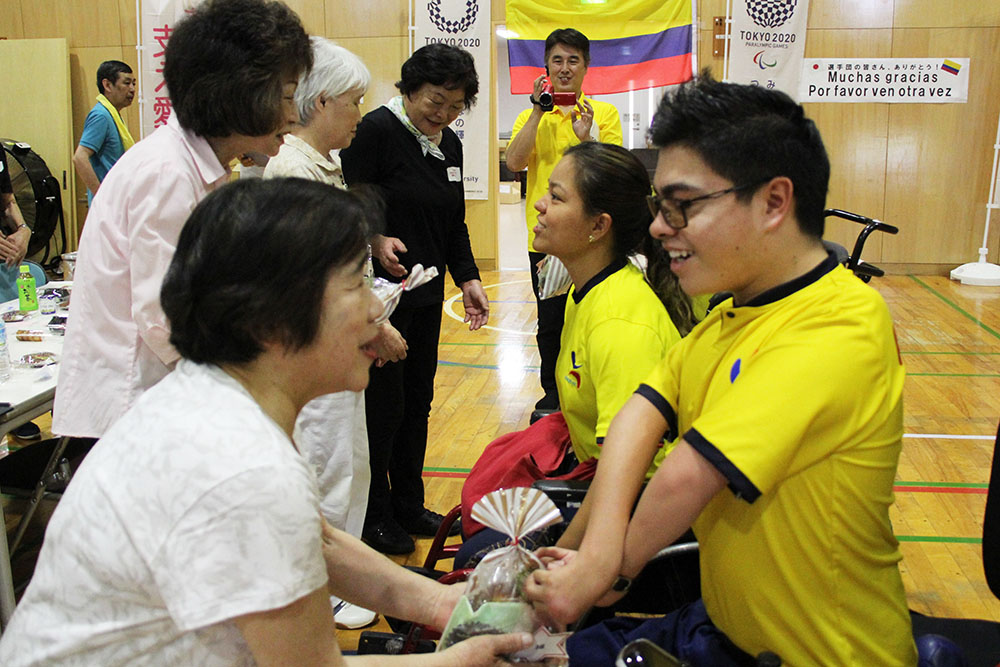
{"x":30,"y":391}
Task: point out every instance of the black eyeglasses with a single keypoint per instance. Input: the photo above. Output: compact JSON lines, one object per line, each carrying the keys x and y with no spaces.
{"x":674,"y":211}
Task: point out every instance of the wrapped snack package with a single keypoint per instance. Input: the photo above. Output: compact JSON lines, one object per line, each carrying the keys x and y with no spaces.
{"x":494,"y":601}
{"x":389,"y":292}
{"x":553,"y":278}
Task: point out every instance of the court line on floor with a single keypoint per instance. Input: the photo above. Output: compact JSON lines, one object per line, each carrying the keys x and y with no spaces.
{"x":955,"y":306}
{"x":449,"y":309}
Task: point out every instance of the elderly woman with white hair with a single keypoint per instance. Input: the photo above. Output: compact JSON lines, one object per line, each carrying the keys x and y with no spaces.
{"x":330,"y":431}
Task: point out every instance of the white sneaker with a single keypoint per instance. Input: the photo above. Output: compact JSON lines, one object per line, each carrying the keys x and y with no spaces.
{"x":351,"y":617}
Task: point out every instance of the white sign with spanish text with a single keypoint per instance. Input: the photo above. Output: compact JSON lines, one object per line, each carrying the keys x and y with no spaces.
{"x":898,"y":80}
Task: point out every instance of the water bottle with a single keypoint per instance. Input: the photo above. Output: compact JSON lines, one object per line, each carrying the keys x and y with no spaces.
{"x":27,"y":295}
{"x":4,"y":354}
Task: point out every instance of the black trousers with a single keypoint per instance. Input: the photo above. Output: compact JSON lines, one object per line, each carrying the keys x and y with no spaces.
{"x":550,"y":323}
{"x":397,"y":406}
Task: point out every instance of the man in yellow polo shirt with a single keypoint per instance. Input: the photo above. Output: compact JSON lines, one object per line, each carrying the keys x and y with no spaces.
{"x":785,"y":404}
{"x":537,"y":142}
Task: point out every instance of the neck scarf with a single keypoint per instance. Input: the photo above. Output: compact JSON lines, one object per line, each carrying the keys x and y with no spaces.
{"x":427,"y":144}
{"x":127,"y":141}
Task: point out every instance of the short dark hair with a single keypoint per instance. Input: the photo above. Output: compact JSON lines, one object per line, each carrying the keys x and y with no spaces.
{"x":611,"y":179}
{"x":571,"y":38}
{"x":748,"y":134}
{"x":251,"y":261}
{"x":110,"y":69}
{"x":226,"y":64}
{"x":440,"y":65}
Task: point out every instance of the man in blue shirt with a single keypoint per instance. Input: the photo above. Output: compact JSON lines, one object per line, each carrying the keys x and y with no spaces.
{"x":105,"y":135}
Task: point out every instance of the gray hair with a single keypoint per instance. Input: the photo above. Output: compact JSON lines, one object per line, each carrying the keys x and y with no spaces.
{"x":335,"y":71}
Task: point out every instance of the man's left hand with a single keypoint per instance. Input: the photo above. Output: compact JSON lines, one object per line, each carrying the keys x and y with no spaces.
{"x":583,"y":119}
{"x":477,"y":306}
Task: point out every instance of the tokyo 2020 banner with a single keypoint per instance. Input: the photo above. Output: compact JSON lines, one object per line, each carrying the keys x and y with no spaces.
{"x":768,"y":43}
{"x":466,"y":24}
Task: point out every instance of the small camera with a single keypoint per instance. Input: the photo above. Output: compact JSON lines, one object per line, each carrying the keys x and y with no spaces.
{"x":548,"y":98}
{"x":545,"y":98}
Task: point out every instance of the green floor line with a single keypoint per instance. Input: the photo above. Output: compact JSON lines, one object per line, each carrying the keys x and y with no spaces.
{"x":938,"y":538}
{"x":951,"y":303}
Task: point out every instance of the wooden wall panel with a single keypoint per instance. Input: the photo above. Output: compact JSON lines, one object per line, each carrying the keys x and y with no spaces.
{"x":851,"y":14}
{"x":311,"y":13}
{"x":855,"y":139}
{"x":81,"y":22}
{"x":940,"y":156}
{"x":937,"y":14}
{"x":11,"y":24}
{"x":127,"y":26}
{"x":383,"y":56}
{"x":361,"y":18}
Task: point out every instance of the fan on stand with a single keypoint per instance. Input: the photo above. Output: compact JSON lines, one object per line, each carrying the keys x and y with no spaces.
{"x":37,"y":193}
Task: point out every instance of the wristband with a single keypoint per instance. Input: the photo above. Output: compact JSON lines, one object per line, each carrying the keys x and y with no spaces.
{"x":621,"y":584}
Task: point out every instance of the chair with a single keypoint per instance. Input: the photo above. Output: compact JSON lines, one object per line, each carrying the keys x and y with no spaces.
{"x":8,"y":279}
{"x":37,"y":472}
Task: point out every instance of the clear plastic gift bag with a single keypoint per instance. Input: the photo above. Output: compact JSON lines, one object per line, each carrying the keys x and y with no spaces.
{"x":389,"y":292}
{"x":494,"y":601}
{"x":553,"y":278}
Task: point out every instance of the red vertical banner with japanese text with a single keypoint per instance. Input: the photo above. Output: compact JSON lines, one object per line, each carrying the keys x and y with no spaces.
{"x":158,"y":18}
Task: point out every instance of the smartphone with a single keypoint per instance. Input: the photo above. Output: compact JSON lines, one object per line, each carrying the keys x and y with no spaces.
{"x":644,"y":653}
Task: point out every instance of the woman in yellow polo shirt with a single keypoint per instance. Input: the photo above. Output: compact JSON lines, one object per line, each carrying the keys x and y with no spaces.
{"x":619,"y":322}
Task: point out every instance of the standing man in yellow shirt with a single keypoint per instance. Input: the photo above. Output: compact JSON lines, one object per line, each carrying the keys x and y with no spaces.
{"x":540,"y":136}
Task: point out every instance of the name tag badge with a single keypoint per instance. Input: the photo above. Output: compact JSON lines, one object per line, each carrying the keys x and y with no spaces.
{"x":454,"y":174}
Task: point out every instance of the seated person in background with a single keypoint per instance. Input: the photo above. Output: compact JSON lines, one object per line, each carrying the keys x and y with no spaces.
{"x":330,"y":431}
{"x":191,"y":534}
{"x":618,"y":324}
{"x":14,"y":232}
{"x":786,"y":401}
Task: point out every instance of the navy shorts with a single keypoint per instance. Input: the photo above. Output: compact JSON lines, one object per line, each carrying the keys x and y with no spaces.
{"x":687,"y":633}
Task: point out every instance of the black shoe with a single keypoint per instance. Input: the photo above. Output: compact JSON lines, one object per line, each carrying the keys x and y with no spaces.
{"x":549,"y":401}
{"x":388,"y":537}
{"x":28,"y":431}
{"x":427,"y":523}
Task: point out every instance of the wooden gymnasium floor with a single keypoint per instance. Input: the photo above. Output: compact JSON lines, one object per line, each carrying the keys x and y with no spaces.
{"x":949,"y":335}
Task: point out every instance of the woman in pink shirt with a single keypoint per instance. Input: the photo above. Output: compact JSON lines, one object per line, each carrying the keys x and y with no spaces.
{"x":231,"y":68}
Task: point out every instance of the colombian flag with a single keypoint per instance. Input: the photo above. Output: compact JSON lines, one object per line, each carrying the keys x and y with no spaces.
{"x":634,"y":44}
{"x":950,"y":66}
